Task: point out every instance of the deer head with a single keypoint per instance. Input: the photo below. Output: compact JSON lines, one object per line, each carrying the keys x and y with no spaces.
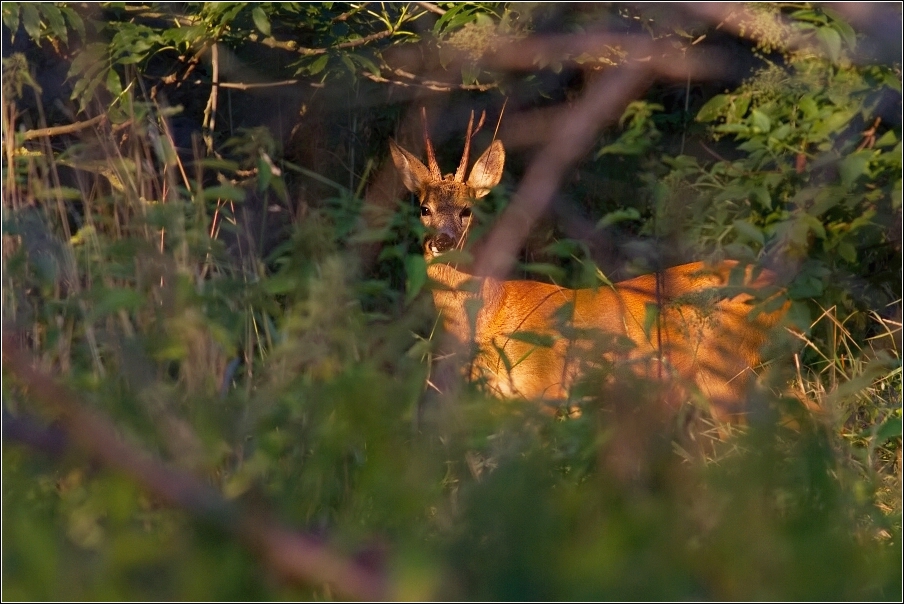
{"x":446,"y":201}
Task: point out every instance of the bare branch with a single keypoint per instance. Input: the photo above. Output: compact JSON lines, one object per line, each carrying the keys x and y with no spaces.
{"x":609,"y":50}
{"x":361,"y":41}
{"x":573,"y":130}
{"x":293,"y":46}
{"x":67,"y":129}
{"x":571,"y":136}
{"x":242,"y":86}
{"x":429,"y":6}
{"x":344,"y":16}
{"x":430,"y":84}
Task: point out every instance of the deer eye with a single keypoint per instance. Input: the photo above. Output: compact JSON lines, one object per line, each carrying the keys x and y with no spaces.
{"x":465,"y":214}
{"x":425,"y":211}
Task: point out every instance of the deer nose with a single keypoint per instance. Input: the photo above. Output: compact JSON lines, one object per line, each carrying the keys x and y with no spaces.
{"x":441,"y":243}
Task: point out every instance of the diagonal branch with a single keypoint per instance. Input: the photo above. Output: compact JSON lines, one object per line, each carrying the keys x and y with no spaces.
{"x":67,"y":129}
{"x":295,"y":556}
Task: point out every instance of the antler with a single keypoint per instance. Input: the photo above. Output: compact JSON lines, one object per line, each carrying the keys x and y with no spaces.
{"x":463,"y":166}
{"x":435,"y":172}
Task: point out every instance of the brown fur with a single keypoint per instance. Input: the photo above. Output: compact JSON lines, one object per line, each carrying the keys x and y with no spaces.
{"x":684,"y":328}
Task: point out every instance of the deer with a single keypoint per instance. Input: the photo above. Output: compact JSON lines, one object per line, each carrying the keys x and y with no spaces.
{"x":691,"y":324}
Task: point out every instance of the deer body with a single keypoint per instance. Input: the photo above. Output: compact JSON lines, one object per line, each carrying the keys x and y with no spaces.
{"x":695,"y":336}
{"x":533,"y":339}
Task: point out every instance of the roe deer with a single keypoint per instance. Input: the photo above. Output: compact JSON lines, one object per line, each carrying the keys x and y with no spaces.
{"x":679,"y":323}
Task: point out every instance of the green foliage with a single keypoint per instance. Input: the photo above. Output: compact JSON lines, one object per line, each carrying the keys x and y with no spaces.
{"x":816,"y":180}
{"x":288,"y":375}
{"x":43,"y":21}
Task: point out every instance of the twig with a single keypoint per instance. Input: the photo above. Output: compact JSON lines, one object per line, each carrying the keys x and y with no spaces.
{"x":869,"y":135}
{"x":242,"y":86}
{"x":430,"y":84}
{"x":429,"y":6}
{"x":311,"y":52}
{"x":67,"y":129}
{"x":295,"y":556}
{"x":210,"y":111}
{"x":348,"y":14}
{"x":360,"y":41}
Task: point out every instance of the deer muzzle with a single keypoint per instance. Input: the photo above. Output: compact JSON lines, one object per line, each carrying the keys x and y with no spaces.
{"x":440,"y":244}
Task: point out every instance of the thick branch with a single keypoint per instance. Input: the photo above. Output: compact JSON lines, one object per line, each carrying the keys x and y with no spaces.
{"x":571,"y":137}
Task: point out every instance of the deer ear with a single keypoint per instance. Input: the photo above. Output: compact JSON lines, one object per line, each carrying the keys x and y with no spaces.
{"x":414,"y":174}
{"x":487,"y":172}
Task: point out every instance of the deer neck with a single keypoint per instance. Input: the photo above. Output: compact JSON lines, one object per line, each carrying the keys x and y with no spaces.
{"x":459,"y":296}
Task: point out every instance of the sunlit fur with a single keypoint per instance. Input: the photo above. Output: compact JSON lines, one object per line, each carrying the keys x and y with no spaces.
{"x":682,"y":329}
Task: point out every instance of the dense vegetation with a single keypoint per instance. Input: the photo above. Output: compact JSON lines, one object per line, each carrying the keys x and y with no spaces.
{"x":217,"y":333}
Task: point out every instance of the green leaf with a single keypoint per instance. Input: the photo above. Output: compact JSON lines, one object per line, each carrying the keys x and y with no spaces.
{"x":415,"y":276}
{"x":733,"y":128}
{"x":808,"y":107}
{"x":319,"y":64}
{"x":781,"y":133}
{"x":74,"y":20}
{"x":84,"y":89}
{"x":753,"y":145}
{"x":847,"y":251}
{"x":889,"y":139}
{"x":31,"y":21}
{"x":625,"y":146}
{"x":89,"y":58}
{"x":541,"y":268}
{"x":216,"y":163}
{"x":367,"y":64}
{"x":503,"y":357}
{"x":760,"y":121}
{"x":113,"y":83}
{"x":114,"y":299}
{"x":741,"y":105}
{"x":854,"y":166}
{"x":890,"y":428}
{"x":563,"y":248}
{"x":278,"y":186}
{"x":806,"y":287}
{"x":650,"y":317}
{"x":618,"y":216}
{"x":813,"y":224}
{"x":55,"y":21}
{"x":760,"y":196}
{"x":713,"y":108}
{"x":280,"y":284}
{"x":348,"y":63}
{"x":749,"y":231}
{"x":831,"y":41}
{"x":224,"y":192}
{"x":542,"y":340}
{"x":836,"y":121}
{"x":260,"y":20}
{"x":444,"y":18}
{"x":11,"y":17}
{"x":264,"y":174}
{"x":131,"y":58}
{"x":825,"y":199}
